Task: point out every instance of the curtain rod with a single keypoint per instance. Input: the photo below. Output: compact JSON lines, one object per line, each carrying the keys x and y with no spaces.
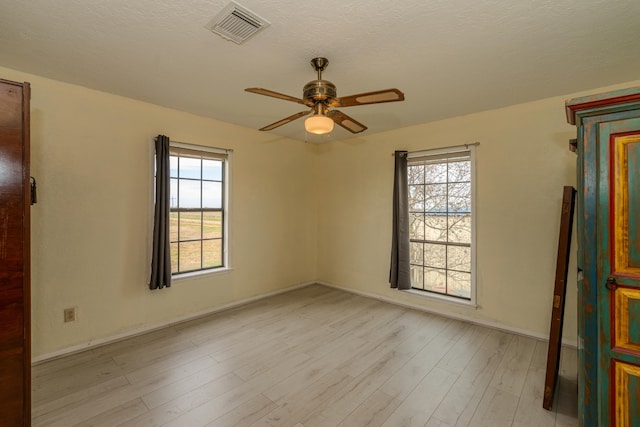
{"x":228,"y":150}
{"x":443,"y":148}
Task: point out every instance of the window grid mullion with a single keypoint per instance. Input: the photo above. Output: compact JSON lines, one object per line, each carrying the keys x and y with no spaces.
{"x":448,"y":244}
{"x":199,"y":212}
{"x":435,"y":242}
{"x":201,"y":217}
{"x":222,"y":215}
{"x":424,"y":223}
{"x":179,"y":213}
{"x":446,"y":226}
{"x":422,"y":266}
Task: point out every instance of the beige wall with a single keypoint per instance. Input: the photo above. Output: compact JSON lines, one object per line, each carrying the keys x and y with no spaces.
{"x":300,"y":213}
{"x":91,"y":154}
{"x":523,"y":162}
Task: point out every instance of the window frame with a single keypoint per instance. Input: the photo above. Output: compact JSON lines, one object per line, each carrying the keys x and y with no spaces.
{"x":225,"y":156}
{"x":452,"y":151}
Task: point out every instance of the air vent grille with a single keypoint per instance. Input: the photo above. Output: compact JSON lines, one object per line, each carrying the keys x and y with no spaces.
{"x":236,"y":23}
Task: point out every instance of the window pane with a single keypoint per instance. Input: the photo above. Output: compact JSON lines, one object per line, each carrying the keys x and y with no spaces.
{"x":173,"y":188}
{"x":435,"y":280}
{"x":190,"y":256}
{"x":196,"y":232}
{"x":190,"y":225}
{"x":416,"y":198}
{"x":212,"y":169}
{"x":174,"y":257}
{"x":459,"y":284}
{"x":459,"y":228}
{"x":459,"y":258}
{"x":212,"y":253}
{"x":459,"y":197}
{"x":435,"y":198}
{"x":435,"y":172}
{"x":435,"y":228}
{"x":173,"y":227}
{"x":211,"y":194}
{"x":416,"y":226}
{"x":189,"y":194}
{"x":416,"y":253}
{"x":439,"y":193}
{"x":212,"y":225}
{"x":173,"y":166}
{"x":460,"y":171}
{"x":416,"y":276}
{"x":190,"y":168}
{"x":435,"y":255}
{"x":415,"y":174}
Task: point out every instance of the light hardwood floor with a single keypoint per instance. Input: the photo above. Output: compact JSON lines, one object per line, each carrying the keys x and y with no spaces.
{"x":312,"y":357}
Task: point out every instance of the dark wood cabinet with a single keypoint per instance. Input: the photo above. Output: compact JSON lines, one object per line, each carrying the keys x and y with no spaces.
{"x":15,"y":333}
{"x":608,"y":257}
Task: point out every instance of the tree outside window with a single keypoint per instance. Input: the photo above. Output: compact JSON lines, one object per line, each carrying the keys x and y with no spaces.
{"x":441,"y":223}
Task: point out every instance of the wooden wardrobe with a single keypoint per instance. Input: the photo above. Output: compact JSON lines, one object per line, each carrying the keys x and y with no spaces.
{"x":608,"y":257}
{"x":15,"y":315}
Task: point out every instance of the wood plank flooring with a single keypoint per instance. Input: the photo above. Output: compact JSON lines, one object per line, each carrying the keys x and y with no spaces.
{"x":313,"y":357}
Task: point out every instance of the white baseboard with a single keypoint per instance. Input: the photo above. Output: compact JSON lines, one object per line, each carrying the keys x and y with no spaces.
{"x":456,"y":316}
{"x":150,"y":328}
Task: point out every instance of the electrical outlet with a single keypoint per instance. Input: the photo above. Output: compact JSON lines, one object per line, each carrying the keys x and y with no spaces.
{"x":69,"y":314}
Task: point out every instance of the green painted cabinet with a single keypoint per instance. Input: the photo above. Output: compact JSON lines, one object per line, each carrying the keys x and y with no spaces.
{"x":608,"y":257}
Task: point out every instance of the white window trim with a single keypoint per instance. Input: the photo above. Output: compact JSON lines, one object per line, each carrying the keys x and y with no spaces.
{"x":181,"y":277}
{"x":226,"y":252}
{"x":472,"y":302}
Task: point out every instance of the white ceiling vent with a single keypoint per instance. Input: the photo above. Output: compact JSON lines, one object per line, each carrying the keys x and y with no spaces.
{"x":236,"y":23}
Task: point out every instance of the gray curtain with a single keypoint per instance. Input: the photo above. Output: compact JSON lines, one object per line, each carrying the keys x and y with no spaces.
{"x":399,"y":273}
{"x":161,"y":254}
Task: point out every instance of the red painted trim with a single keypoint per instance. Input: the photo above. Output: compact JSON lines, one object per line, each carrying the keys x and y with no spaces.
{"x":626,"y":351}
{"x":612,"y":205}
{"x":612,"y":394}
{"x":613,"y":271}
{"x":627,"y":276}
{"x":612,"y":230}
{"x":572,"y":109}
{"x":611,"y":294}
{"x":612,"y":345}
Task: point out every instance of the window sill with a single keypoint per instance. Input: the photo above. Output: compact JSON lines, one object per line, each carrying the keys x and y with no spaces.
{"x":442,"y":298}
{"x":176,"y":278}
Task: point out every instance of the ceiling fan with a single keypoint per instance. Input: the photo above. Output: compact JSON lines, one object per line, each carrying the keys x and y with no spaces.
{"x":320,"y":95}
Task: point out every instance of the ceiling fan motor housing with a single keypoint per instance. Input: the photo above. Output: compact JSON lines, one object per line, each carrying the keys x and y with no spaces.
{"x":319,"y":91}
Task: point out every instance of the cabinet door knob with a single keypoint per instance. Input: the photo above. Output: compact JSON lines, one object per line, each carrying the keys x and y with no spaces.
{"x":611,"y":283}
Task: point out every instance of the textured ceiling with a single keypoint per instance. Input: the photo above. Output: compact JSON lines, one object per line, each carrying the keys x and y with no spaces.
{"x":449,"y":57}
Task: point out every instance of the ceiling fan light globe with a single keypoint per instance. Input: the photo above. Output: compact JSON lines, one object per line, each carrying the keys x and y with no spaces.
{"x":318,"y":124}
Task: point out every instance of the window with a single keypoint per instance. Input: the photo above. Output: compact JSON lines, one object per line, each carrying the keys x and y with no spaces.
{"x":441,"y":213}
{"x":198,"y":208}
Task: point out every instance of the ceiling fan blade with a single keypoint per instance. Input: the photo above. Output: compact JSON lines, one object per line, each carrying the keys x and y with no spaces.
{"x":286,"y":120}
{"x":346,"y":122}
{"x":387,"y":95}
{"x":267,"y":92}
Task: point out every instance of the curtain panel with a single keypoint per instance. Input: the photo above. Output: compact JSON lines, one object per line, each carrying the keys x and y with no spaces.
{"x":399,"y":272}
{"x":161,"y":252}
